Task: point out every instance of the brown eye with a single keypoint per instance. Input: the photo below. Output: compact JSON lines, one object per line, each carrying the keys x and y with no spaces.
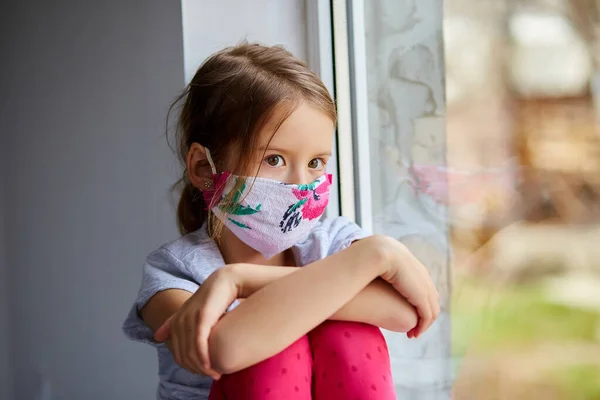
{"x":315,"y":163}
{"x":274,"y":161}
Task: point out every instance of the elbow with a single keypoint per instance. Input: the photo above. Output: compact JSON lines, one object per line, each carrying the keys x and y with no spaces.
{"x":225,"y":356}
{"x":221,"y":357}
{"x":409,"y":321}
{"x":403,"y":321}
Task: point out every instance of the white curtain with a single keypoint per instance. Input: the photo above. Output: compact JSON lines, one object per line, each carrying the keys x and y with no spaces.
{"x":405,"y":80}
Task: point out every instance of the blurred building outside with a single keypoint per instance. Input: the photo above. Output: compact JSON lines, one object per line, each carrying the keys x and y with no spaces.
{"x":523,"y":186}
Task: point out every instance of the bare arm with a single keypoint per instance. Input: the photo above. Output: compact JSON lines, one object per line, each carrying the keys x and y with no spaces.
{"x":161,"y":306}
{"x":262,"y":325}
{"x":340,"y":287}
{"x":377,"y":304}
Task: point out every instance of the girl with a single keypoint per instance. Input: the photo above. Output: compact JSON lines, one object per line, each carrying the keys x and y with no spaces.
{"x":229,"y":311}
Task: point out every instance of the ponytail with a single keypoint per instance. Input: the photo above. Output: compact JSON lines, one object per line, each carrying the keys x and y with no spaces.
{"x":191,"y":212}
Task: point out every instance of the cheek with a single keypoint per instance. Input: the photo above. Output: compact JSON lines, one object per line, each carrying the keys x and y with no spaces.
{"x":277,"y":174}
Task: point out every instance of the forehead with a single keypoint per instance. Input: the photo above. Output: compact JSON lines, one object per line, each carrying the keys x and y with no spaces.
{"x":306,"y":130}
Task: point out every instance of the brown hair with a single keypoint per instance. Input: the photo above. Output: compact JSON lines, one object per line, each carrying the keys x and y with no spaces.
{"x":229,"y":100}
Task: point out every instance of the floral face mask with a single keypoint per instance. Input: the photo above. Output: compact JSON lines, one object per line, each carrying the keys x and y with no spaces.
{"x":267,"y":215}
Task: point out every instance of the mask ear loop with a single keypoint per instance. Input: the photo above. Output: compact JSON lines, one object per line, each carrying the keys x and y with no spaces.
{"x":210,"y":161}
{"x":214,"y":171}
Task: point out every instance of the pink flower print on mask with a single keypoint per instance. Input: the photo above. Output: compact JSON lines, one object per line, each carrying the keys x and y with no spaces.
{"x":316,"y":199}
{"x":312,"y":201}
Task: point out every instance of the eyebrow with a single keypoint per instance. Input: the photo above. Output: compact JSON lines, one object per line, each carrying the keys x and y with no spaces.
{"x":282,"y":151}
{"x":265,"y":148}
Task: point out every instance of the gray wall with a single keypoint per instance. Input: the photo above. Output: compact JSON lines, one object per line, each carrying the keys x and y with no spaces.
{"x":5,"y":360}
{"x":85,"y":86}
{"x":84,"y":173}
{"x":5,"y":355}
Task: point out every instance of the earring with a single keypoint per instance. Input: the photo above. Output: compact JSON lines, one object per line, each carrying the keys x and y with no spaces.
{"x":208,"y":184}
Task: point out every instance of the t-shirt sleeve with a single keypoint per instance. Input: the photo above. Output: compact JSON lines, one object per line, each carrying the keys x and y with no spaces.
{"x":162,"y":271}
{"x":342,"y":233}
{"x":331,"y":236}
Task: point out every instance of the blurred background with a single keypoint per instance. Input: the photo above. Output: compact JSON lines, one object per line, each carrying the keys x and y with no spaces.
{"x":523,"y":97}
{"x":468,"y":130}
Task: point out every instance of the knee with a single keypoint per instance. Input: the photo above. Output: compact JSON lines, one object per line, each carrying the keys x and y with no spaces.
{"x":350,"y":358}
{"x":343,"y":338}
{"x":282,"y":375}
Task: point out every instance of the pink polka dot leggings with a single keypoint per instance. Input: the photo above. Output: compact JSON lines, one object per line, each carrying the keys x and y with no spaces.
{"x":336,"y":361}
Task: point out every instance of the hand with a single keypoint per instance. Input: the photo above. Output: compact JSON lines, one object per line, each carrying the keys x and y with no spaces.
{"x":412,"y":280}
{"x":189,"y":328}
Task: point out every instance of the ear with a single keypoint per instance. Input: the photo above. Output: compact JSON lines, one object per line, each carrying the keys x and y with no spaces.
{"x":198,"y":167}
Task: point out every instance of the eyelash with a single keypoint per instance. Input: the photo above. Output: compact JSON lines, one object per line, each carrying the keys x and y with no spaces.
{"x":266,"y":160}
{"x":323,"y":163}
{"x":271,"y":157}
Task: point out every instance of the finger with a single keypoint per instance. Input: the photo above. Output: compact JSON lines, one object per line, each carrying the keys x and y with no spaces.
{"x":175,"y":344}
{"x":434,"y":288}
{"x":164,"y":332}
{"x":204,"y":330}
{"x":420,"y":328}
{"x":426,"y":276}
{"x":196,"y":346}
{"x":189,"y":345}
{"x":434,"y":293}
{"x":410,"y":334}
{"x":419,"y":300}
{"x":211,"y":373}
{"x":203,"y":349}
{"x":182,"y":346}
{"x":436,"y":306}
{"x":435,"y":310}
{"x":424,"y":324}
{"x":193,"y":360}
{"x":425,"y":317}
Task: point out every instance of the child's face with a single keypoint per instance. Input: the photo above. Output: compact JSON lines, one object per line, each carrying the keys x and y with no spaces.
{"x":299,"y":150}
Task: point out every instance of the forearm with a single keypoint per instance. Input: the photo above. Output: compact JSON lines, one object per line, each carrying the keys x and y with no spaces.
{"x":381,"y":305}
{"x":377,"y":304}
{"x":291,"y":306}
